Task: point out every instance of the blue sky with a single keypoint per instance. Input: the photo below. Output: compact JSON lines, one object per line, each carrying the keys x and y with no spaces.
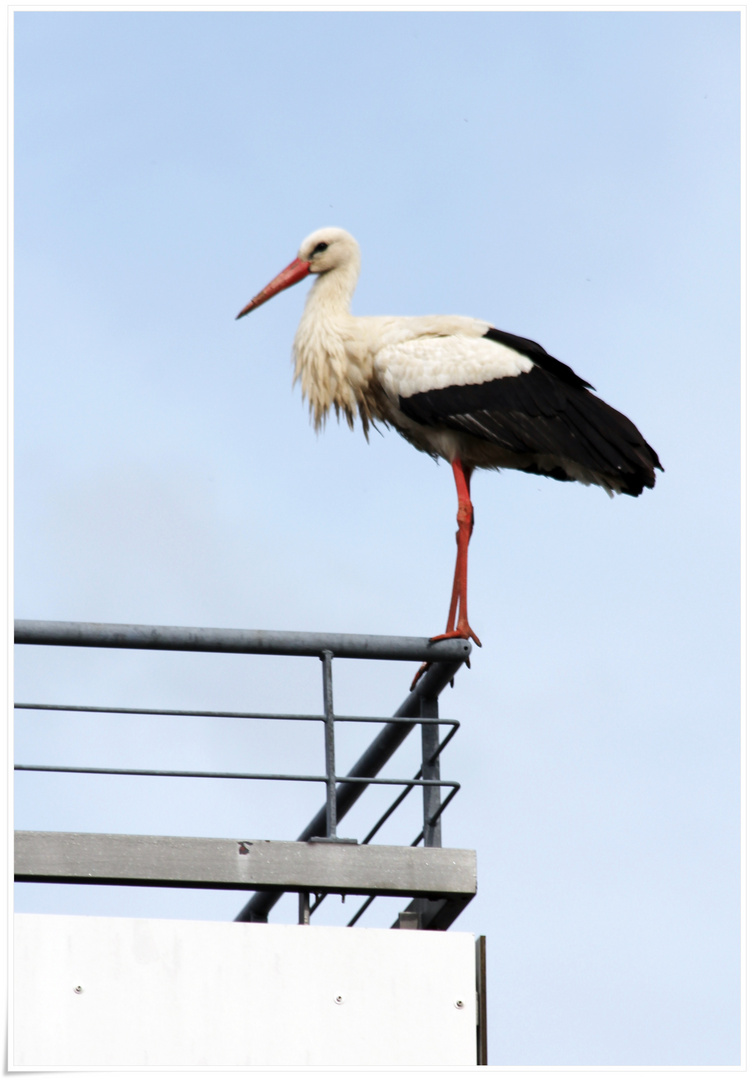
{"x":572,"y":177}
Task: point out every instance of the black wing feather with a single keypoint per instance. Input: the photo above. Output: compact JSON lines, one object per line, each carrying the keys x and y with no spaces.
{"x":547,"y":412}
{"x":539,"y":355}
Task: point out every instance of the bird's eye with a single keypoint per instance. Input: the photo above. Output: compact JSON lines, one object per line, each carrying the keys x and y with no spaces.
{"x":322,"y":246}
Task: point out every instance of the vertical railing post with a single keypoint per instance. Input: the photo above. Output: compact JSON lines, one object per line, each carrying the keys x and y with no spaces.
{"x":304,"y":908}
{"x":430,"y":771}
{"x":330,"y":744}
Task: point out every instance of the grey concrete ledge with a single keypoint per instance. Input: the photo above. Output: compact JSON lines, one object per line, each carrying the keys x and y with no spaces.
{"x":287,"y":866}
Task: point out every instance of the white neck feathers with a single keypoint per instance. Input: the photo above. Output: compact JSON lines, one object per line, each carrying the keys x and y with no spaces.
{"x":331,"y":373}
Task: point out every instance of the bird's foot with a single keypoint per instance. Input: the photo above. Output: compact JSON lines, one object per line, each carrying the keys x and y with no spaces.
{"x":463,"y":630}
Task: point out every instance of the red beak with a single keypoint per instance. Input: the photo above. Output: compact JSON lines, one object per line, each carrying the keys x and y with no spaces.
{"x":294,"y":272}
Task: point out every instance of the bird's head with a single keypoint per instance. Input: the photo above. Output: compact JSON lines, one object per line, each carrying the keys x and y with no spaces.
{"x":322,"y":251}
{"x":327,"y":249}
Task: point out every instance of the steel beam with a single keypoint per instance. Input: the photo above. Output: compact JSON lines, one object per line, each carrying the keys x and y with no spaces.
{"x":288,"y":866}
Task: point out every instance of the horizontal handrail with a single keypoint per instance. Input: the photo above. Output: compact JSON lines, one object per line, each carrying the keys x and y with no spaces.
{"x":217,"y":715}
{"x":190,"y":774}
{"x":263,"y":642}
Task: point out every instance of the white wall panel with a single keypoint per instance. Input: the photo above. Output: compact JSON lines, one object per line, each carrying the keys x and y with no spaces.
{"x":135,"y":992}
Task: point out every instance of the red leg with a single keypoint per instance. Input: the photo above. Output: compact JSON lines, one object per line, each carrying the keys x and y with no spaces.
{"x":451,"y":623}
{"x":458,"y":626}
{"x":458,"y":621}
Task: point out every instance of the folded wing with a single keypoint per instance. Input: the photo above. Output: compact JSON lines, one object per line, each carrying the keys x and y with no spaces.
{"x":541,"y":415}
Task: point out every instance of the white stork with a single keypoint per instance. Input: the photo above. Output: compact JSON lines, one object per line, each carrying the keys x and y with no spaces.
{"x":456,"y":388}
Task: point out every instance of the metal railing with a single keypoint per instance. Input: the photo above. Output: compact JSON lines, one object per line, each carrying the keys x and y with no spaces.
{"x":442,"y":660}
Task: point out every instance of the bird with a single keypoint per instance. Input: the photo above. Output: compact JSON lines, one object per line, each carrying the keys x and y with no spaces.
{"x":454,"y":387}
